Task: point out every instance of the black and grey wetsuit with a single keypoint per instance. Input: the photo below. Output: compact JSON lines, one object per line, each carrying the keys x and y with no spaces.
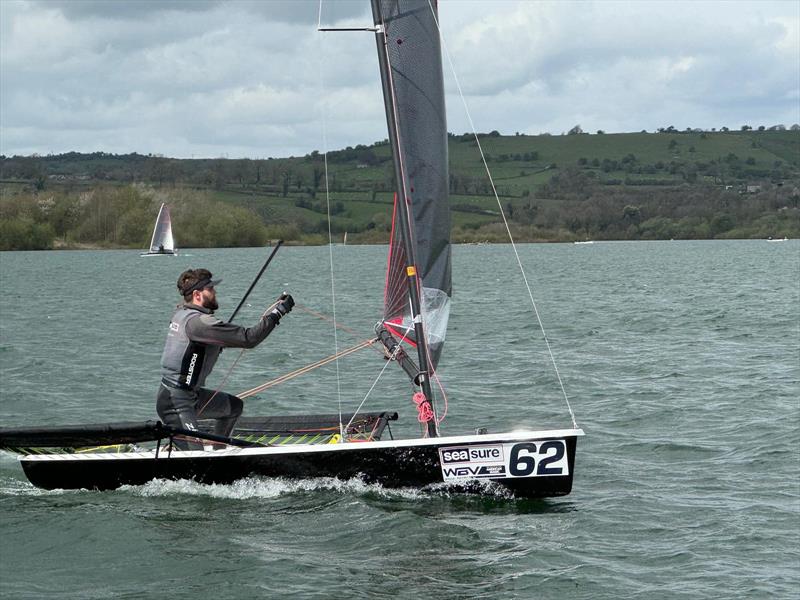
{"x":194,"y":341}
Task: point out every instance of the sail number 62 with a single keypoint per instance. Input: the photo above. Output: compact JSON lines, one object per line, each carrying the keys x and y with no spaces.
{"x":530,"y":458}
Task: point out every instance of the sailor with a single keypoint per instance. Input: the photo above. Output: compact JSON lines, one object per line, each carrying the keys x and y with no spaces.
{"x":194,"y":341}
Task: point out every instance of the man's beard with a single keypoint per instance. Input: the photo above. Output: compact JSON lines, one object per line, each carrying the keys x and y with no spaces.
{"x":210,"y":303}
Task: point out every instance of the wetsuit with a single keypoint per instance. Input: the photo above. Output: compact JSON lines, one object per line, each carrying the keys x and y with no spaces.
{"x":194,"y":341}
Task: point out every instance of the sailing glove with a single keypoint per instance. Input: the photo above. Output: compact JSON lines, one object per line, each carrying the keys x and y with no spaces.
{"x":283,"y":306}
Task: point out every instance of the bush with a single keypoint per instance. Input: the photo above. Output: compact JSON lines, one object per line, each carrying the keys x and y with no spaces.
{"x":24,"y":234}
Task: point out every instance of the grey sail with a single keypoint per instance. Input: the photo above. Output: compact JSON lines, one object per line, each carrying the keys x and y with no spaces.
{"x":411,"y":73}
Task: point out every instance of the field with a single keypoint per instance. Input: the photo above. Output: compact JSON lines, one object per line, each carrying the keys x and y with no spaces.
{"x":689,"y":184}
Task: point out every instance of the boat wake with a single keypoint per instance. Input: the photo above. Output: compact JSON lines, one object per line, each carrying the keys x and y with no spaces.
{"x":258,"y":487}
{"x":10,"y":486}
{"x":274,"y":487}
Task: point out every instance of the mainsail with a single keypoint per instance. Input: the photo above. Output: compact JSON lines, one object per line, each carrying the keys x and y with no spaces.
{"x":162,"y":242}
{"x":411,"y":72}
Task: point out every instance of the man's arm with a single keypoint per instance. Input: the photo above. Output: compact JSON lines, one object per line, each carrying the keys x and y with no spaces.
{"x":208,"y":329}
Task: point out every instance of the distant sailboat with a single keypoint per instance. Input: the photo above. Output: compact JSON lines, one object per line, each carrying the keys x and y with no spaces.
{"x":162,"y":241}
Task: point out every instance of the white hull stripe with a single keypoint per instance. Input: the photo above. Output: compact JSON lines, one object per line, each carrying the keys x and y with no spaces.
{"x":309,"y":448}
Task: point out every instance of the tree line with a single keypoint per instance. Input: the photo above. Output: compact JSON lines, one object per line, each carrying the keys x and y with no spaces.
{"x":671,"y":184}
{"x":572,"y":205}
{"x":123,"y":217}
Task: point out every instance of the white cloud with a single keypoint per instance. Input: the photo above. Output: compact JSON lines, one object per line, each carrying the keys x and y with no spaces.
{"x":628,"y":66}
{"x":254,"y":79}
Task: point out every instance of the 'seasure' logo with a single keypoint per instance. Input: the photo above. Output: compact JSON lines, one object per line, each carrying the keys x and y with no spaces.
{"x":472,"y":453}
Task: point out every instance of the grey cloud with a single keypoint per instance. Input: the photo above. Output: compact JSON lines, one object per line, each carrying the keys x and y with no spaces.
{"x":304,"y":11}
{"x":254,"y":79}
{"x":593,"y":63}
{"x":286,"y":11}
{"x":131,"y":9}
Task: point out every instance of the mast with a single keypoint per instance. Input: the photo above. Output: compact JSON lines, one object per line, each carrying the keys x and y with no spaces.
{"x":403,"y":201}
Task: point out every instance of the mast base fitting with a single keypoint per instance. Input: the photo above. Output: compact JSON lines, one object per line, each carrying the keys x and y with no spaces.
{"x":397,"y":353}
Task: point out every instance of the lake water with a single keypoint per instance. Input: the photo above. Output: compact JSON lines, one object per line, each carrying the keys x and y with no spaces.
{"x":681,"y":361}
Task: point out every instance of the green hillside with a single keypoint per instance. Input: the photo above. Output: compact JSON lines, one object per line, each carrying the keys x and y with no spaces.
{"x":690,"y":184}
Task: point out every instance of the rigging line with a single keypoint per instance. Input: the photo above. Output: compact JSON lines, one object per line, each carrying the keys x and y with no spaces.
{"x":323,"y":106}
{"x":306,"y":369}
{"x":222,"y":383}
{"x":444,"y":398}
{"x":235,"y":312}
{"x":503,"y":214}
{"x":374,"y":383}
{"x":230,"y":369}
{"x":438,"y":383}
{"x":324,"y":317}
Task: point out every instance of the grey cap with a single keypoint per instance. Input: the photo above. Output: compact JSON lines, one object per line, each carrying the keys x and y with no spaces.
{"x":201,"y":285}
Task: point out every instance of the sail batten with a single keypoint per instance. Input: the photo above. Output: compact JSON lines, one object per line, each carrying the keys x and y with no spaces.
{"x":414,"y":93}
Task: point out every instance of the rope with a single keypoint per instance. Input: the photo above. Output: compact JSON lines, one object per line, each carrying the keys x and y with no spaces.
{"x":328,"y":205}
{"x":444,"y":398}
{"x":424,"y":410}
{"x":306,"y":369}
{"x":374,"y":383}
{"x":230,"y":369}
{"x":222,"y":383}
{"x":502,"y":213}
{"x":324,"y":317}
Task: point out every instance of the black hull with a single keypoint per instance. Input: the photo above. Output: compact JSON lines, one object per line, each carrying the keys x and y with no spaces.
{"x":406,"y":463}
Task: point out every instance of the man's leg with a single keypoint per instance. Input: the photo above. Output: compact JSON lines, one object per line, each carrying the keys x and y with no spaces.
{"x":176,"y":407}
{"x":225,"y":408}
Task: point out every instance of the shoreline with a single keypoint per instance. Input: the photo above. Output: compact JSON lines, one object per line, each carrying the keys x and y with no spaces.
{"x":70,"y":247}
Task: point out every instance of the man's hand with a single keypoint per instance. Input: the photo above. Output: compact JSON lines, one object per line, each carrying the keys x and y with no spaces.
{"x":283,"y":306}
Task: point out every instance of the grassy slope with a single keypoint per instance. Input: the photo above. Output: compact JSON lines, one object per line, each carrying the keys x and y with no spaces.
{"x":513,"y":178}
{"x":363,"y":190}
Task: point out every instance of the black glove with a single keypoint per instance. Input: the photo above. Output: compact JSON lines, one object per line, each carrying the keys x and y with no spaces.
{"x":283,"y":306}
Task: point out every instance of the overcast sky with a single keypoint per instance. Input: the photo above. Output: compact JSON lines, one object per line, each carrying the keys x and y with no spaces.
{"x":238,"y":78}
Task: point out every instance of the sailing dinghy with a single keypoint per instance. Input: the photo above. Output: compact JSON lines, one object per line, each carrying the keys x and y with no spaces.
{"x":162,"y":241}
{"x":531,"y":463}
